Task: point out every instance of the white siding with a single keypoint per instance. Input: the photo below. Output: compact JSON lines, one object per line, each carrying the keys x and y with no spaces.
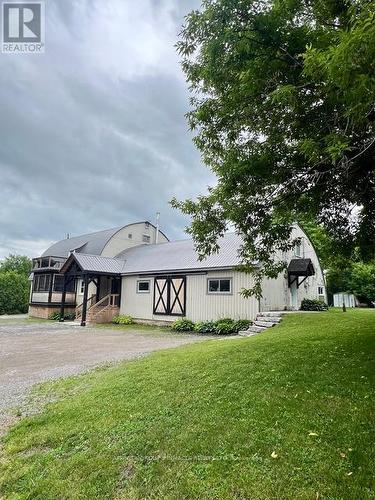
{"x":276,"y":293}
{"x":121,"y":240}
{"x":91,"y":291}
{"x":200,"y":305}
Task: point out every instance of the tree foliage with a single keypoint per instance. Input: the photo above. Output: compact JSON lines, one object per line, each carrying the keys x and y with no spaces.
{"x":14,"y":284}
{"x":18,"y":263}
{"x":283,"y":105}
{"x":361,"y":281}
{"x":14,"y":292}
{"x":345,"y":273}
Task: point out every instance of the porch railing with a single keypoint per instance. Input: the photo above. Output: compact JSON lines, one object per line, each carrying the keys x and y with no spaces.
{"x":90,"y":302}
{"x":108,"y":302}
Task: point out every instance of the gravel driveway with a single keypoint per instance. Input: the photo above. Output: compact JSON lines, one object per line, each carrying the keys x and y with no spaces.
{"x":32,"y":352}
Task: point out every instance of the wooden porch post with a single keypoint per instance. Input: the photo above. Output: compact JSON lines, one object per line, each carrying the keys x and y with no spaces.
{"x":63,"y":300}
{"x":84,"y":303}
{"x":98,"y":288}
{"x":52,"y":276}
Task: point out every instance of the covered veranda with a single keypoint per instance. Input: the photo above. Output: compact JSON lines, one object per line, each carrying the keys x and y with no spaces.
{"x":101,"y":281}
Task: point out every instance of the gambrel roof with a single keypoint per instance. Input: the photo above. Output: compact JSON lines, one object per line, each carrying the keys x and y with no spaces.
{"x":92,"y":243}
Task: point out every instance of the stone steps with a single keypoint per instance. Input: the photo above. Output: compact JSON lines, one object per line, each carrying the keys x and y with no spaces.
{"x":262,"y":322}
{"x":265,"y":324}
{"x":269,"y":319}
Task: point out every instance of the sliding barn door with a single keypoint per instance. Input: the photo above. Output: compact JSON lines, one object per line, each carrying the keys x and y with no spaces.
{"x":170,"y":295}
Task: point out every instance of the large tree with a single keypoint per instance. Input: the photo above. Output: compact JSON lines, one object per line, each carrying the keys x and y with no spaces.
{"x":14,"y":284}
{"x":283,"y":105}
{"x":21,"y":264}
{"x":14,"y":292}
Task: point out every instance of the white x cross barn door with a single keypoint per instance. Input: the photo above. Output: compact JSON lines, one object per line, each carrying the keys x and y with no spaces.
{"x":170,"y":295}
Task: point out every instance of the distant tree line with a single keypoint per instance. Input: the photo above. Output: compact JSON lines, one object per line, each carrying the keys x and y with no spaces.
{"x":14,"y":284}
{"x":345,"y":272}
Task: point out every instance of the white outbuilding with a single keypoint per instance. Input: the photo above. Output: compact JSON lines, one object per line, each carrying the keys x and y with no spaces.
{"x":341,"y":298}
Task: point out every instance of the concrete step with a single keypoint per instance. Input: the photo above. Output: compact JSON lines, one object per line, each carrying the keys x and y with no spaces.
{"x":272,"y":314}
{"x":256,"y":329}
{"x":246,"y":333}
{"x":268,"y":319}
{"x":265,"y":324}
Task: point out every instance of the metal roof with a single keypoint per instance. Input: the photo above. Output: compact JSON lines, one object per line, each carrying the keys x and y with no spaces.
{"x":301,"y":267}
{"x":92,"y":243}
{"x":98,"y":264}
{"x":180,"y":256}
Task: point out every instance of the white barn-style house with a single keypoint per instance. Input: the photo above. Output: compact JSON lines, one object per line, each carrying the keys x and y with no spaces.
{"x":135,"y":270}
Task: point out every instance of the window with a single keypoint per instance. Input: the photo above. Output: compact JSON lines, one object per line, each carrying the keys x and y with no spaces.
{"x":147,"y":225}
{"x":42,"y":282}
{"x":219,"y":285}
{"x":143,"y":286}
{"x":146,"y":238}
{"x":130,"y":236}
{"x":298,"y":249}
{"x":82,"y":289}
{"x":58,"y":284}
{"x":320,"y":290}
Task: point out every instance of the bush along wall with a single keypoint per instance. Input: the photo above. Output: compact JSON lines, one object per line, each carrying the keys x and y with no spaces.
{"x":224,"y":326}
{"x":69,"y":316}
{"x":122,"y":320}
{"x":313,"y":305}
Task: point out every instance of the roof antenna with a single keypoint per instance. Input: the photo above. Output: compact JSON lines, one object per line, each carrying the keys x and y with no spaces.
{"x":157,"y":228}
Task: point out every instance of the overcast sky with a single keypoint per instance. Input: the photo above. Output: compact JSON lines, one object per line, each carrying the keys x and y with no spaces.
{"x":93,"y":133}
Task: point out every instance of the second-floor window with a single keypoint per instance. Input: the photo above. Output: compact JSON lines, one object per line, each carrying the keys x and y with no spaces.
{"x":298,"y":249}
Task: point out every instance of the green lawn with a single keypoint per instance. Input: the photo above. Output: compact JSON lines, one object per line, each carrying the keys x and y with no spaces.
{"x":203,"y":421}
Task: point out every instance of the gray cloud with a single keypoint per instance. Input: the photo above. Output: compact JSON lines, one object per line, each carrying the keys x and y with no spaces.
{"x":93,"y":133}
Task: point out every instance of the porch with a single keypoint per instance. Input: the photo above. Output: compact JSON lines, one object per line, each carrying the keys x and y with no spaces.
{"x":101,"y":283}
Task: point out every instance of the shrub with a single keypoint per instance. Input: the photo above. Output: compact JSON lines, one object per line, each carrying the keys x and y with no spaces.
{"x":183,"y":325}
{"x":313,"y":305}
{"x":122,"y":320}
{"x":55,"y":316}
{"x":205,"y":327}
{"x":242,"y":324}
{"x":14,"y":292}
{"x":225,"y":326}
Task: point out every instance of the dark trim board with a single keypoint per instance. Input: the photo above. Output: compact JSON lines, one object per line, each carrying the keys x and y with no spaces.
{"x":173,"y":272}
{"x":51,"y":304}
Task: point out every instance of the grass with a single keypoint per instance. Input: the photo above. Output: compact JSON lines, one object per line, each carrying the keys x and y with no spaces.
{"x":288,"y":414}
{"x":141,"y":327}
